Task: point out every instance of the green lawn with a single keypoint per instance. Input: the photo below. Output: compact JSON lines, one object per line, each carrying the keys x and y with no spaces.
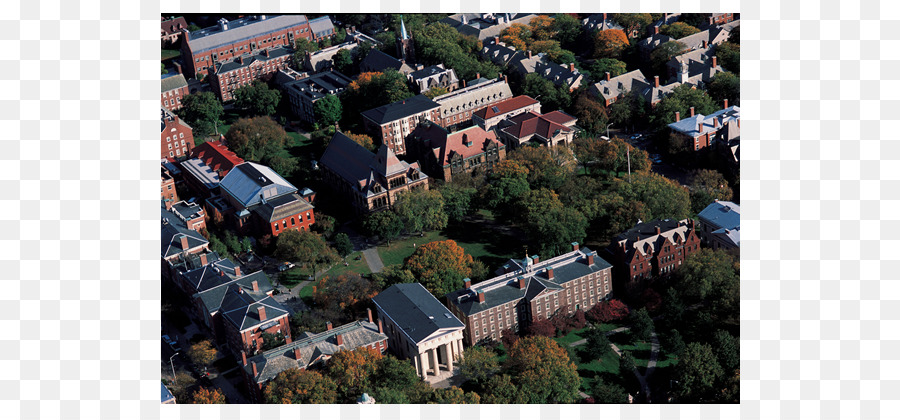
{"x":292,"y":277}
{"x":607,"y":365}
{"x":355,"y":266}
{"x":167,"y":54}
{"x":306,"y":292}
{"x":571,"y":337}
{"x":400,"y":249}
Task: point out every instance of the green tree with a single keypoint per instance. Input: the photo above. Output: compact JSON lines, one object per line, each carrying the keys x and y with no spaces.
{"x":663,"y":53}
{"x":270,"y":341}
{"x":257,"y":98}
{"x":454,"y":395}
{"x":673,"y":308}
{"x":440,"y":266}
{"x":598,"y":343}
{"x":304,"y":247}
{"x":457,"y":202}
{"x":591,"y":114}
{"x":725,"y":85}
{"x":435,"y":92}
{"x":694,"y":19}
{"x":734,"y":36}
{"x":202,"y":111}
{"x":395,"y":373}
{"x":697,"y":373}
{"x":605,"y":393}
{"x":371,"y":90}
{"x":729,"y":57}
{"x":727,"y":349}
{"x":678,"y":30}
{"x":301,"y":47}
{"x":421,"y":210}
{"x":548,"y":222}
{"x":703,"y":272}
{"x":384,"y":224}
{"x":600,"y":66}
{"x":673,"y":343}
{"x":544,"y":374}
{"x":626,"y":364}
{"x":681,"y":100}
{"x":706,"y":186}
{"x":392,"y":275}
{"x":343,"y":61}
{"x":547,"y":168}
{"x":662,"y":198}
{"x":641,"y":324}
{"x":342,"y":244}
{"x":327,"y":110}
{"x":232,"y":242}
{"x":500,"y":389}
{"x":296,"y":386}
{"x":634,"y":22}
{"x":508,"y":182}
{"x":282,"y":165}
{"x":567,"y":28}
{"x":246,"y":244}
{"x":552,"y":97}
{"x":439,"y":43}
{"x":478,"y":364}
{"x":163,"y":68}
{"x":256,"y":139}
{"x":216,"y":245}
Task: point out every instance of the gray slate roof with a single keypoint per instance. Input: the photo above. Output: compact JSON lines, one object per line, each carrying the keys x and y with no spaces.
{"x":377,"y":61}
{"x":501,"y":54}
{"x":239,"y":30}
{"x":250,"y":59}
{"x":415,"y":310}
{"x":213,"y":297}
{"x":729,"y":235}
{"x":321,"y":26}
{"x":239,"y":307}
{"x":631,"y":81}
{"x":173,"y":229}
{"x":318,"y":85}
{"x":400,"y":109}
{"x":248,"y":181}
{"x":173,"y":82}
{"x":214,"y":274}
{"x":481,"y":26}
{"x":688,"y":126}
{"x":473,"y":96}
{"x":721,"y":214}
{"x":281,"y":207}
{"x":358,"y":166}
{"x":313,"y":347}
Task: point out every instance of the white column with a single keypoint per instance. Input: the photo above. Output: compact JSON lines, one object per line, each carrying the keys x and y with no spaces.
{"x":423,"y":357}
{"x":459,"y":347}
{"x":432,"y":360}
{"x":449,"y":354}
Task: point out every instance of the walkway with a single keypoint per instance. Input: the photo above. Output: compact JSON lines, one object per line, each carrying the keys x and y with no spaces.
{"x":651,"y":364}
{"x":361,"y":243}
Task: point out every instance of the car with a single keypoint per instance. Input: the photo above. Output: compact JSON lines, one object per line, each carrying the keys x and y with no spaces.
{"x":172,"y":343}
{"x":285,"y":266}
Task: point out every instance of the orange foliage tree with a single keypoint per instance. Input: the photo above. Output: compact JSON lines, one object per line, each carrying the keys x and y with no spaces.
{"x":440,"y":266}
{"x":610,"y":43}
{"x":208,"y":396}
{"x":296,"y":386}
{"x":343,"y":291}
{"x":363,"y":140}
{"x":542,"y":27}
{"x":517,"y":35}
{"x":354,"y":371}
{"x":543,"y":371}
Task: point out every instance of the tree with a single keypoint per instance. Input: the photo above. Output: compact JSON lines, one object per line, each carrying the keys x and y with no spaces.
{"x":296,"y":386}
{"x":271,"y":341}
{"x":324,"y":224}
{"x":605,"y":393}
{"x":304,"y":247}
{"x":609,"y":43}
{"x":457,"y":202}
{"x":734,"y":36}
{"x":729,"y":57}
{"x":626,"y":363}
{"x":478,"y":364}
{"x":543,"y":371}
{"x":208,"y":396}
{"x":673,"y":343}
{"x":546,"y":168}
{"x":500,"y":389}
{"x":232,"y":242}
{"x":345,"y":291}
{"x":517,"y":35}
{"x":508,"y":182}
{"x":343,"y":61}
{"x":707,"y":186}
{"x":673,"y":308}
{"x":694,"y":19}
{"x":353,"y":371}
{"x":603,"y":65}
{"x":552,"y":97}
{"x":651,"y":299}
{"x":371,"y":90}
{"x":597,"y":343}
{"x":396,"y":373}
{"x":163,"y":68}
{"x":440,"y":266}
{"x":508,"y":337}
{"x":697,"y":372}
{"x":703,"y":272}
{"x":454,"y":395}
{"x":256,"y":139}
{"x":384,"y":224}
{"x":634,"y":22}
{"x":203,"y":353}
{"x":663,"y":53}
{"x":542,"y":27}
{"x":662,"y":198}
{"x":439,"y":43}
{"x":284,"y":166}
{"x":567,"y":28}
{"x":257,"y":98}
{"x":301,"y":47}
{"x":727,"y":349}
{"x":678,"y":30}
{"x":548,"y":222}
{"x":363,"y":140}
{"x":342,"y":244}
{"x":435,"y":91}
{"x":327,"y":110}
{"x":421,"y":210}
{"x":608,"y":311}
{"x":202,"y":111}
{"x":216,"y":245}
{"x":725,"y":85}
{"x":641,"y":324}
{"x":392,"y":275}
{"x":246,"y":244}
{"x":541,"y":327}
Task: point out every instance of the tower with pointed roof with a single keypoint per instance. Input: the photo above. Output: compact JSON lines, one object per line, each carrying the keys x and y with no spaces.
{"x":405,"y":49}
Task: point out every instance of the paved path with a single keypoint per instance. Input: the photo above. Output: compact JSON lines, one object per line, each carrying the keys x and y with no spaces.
{"x":361,"y":243}
{"x":651,"y":364}
{"x":373,"y":259}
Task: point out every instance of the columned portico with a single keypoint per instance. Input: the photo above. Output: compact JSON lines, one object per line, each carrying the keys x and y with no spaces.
{"x":431,"y":361}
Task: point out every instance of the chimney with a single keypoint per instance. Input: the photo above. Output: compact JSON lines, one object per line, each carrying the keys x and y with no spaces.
{"x":505,"y":79}
{"x":255,"y":373}
{"x":590,"y":260}
{"x":262,"y":312}
{"x":203,"y":261}
{"x":497,"y":40}
{"x":550,"y":273}
{"x":677,"y":116}
{"x":328,"y":325}
{"x":223,"y":24}
{"x":186,"y":33}
{"x":658,"y":230}
{"x":255,"y":286}
{"x":297,"y":353}
{"x":726,"y":104}
{"x":535,"y":259}
{"x":464,"y":83}
{"x":467,"y":282}
{"x":477,"y":75}
{"x":604,"y":17}
{"x":699,"y":126}
{"x":572,"y":67}
{"x":656,"y":81}
{"x":168,"y":205}
{"x":705,"y":45}
{"x":222,"y":273}
{"x":178,"y":67}
{"x":716,"y":122}
{"x":380,"y":327}
{"x":244,"y":357}
{"x":237,"y":271}
{"x":692,"y":111}
{"x":529,"y":54}
{"x":184,"y":242}
{"x":481,"y":294}
{"x":574,"y":246}
{"x":521,"y":283}
{"x":711,"y":20}
{"x":340,"y":339}
{"x":287,"y":339}
{"x":607,"y":76}
{"x":241,"y":59}
{"x":715,"y":62}
{"x":656,"y":30}
{"x":266,"y":52}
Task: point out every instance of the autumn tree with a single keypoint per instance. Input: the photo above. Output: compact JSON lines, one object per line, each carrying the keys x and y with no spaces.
{"x":478,"y":364}
{"x":202,"y":110}
{"x":454,"y":395}
{"x":603,"y":65}
{"x":203,"y":353}
{"x":371,"y":90}
{"x":542,"y":27}
{"x":553,"y":51}
{"x":435,"y":91}
{"x":208,"y":396}
{"x":516,"y":35}
{"x":256,"y":139}
{"x":257,"y":98}
{"x":706,"y":186}
{"x":608,"y":311}
{"x":300,"y":386}
{"x":363,"y":140}
{"x":440,"y":266}
{"x":697,"y":373}
{"x":592,"y":117}
{"x":634,"y":22}
{"x":508,"y":337}
{"x":353,"y":371}
{"x":345,"y":291}
{"x":543,"y":371}
{"x":547,"y":168}
{"x":305,"y":248}
{"x":384,"y":224}
{"x":609,"y":43}
{"x":678,"y":30}
{"x":541,"y":327}
{"x":421,"y":210}
{"x":327,"y":110}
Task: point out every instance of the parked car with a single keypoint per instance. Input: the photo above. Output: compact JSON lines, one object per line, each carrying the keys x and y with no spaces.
{"x":285,"y":266}
{"x":172,"y":343}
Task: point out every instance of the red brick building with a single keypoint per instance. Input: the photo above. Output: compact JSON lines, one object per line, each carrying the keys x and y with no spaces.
{"x":457,"y":107}
{"x":699,"y":131}
{"x":173,"y":89}
{"x":444,"y":154}
{"x":217,"y":156}
{"x":247,"y":314}
{"x":547,"y":130}
{"x":170,"y":29}
{"x":202,"y":50}
{"x":263,"y":202}
{"x":652,"y":249}
{"x":176,"y":137}
{"x":228,"y":76}
{"x":530,"y":289}
{"x":191,"y":214}
{"x":391,"y":123}
{"x":167,"y":189}
{"x":488,"y":117}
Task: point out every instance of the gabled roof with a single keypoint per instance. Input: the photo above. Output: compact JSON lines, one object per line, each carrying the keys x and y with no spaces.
{"x":259,"y":58}
{"x":386,"y":162}
{"x":721,"y":214}
{"x":282,"y":207}
{"x":485,"y":25}
{"x":643,"y":239}
{"x":732,"y":236}
{"x":172,"y":26}
{"x":240,"y":308}
{"x":473,"y":96}
{"x":378,"y":61}
{"x":415,"y":311}
{"x":707,"y":123}
{"x":545,"y":126}
{"x":166,"y":395}
{"x":505,"y":106}
{"x":173,"y":82}
{"x":171,"y":239}
{"x":211,"y":275}
{"x":214,"y":296}
{"x":321,"y":26}
{"x":249,"y":183}
{"x":466,"y":143}
{"x":631,"y":81}
{"x":596,"y":22}
{"x":400,"y":109}
{"x":241,"y":29}
{"x":217,"y":156}
{"x":501,"y":54}
{"x":359,"y":167}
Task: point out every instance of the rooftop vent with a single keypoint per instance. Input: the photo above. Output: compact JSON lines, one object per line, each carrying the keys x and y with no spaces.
{"x":495,"y":109}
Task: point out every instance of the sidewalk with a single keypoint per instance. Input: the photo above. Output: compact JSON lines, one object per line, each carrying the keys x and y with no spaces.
{"x":651,"y":364}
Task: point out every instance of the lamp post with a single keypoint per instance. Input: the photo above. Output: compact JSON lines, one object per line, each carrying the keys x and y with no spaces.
{"x":173,"y":365}
{"x":607,"y":131}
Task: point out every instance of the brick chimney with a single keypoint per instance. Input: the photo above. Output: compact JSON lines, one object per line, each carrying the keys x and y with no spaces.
{"x":705,"y":45}
{"x":604,"y":17}
{"x":369,"y":311}
{"x":726,"y":104}
{"x":656,"y":30}
{"x":184,"y":242}
{"x":261,"y":310}
{"x":574,"y":246}
{"x":340,"y":339}
{"x":505,"y":79}
{"x":535,"y":259}
{"x":297,"y":353}
{"x":244,"y":357}
{"x":521,"y":283}
{"x":572,"y":67}
{"x":237,"y":272}
{"x":464,"y":83}
{"x":380,"y":327}
{"x":699,"y":126}
{"x":467,"y":282}
{"x":203,"y":261}
{"x":656,"y":81}
{"x":529,"y":54}
{"x":590,"y":259}
{"x":287,"y":339}
{"x":607,"y":76}
{"x":178,"y":67}
{"x":716,"y":122}
{"x":477,"y":75}
{"x":266,"y":52}
{"x":255,"y":286}
{"x":677,"y":116}
{"x":255,"y":373}
{"x":481,"y":295}
{"x":550,"y":273}
{"x":658,"y":230}
{"x":715,"y":62}
{"x":692,"y":111}
{"x":241,"y":59}
{"x":328,"y":325}
{"x":497,"y":40}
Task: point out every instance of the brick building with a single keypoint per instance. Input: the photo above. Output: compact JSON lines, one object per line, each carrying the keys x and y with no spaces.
{"x":176,"y":137}
{"x":434,"y":76}
{"x":652,"y":249}
{"x":190,"y":214}
{"x":420,"y":328}
{"x":182,"y":248}
{"x":231,"y":75}
{"x":303,"y":93}
{"x":170,"y":29}
{"x":247,"y":314}
{"x":391,"y":123}
{"x":699,"y":131}
{"x":445,"y":154}
{"x":457,"y":107}
{"x":369,"y":181}
{"x":167,"y":187}
{"x":488,"y":117}
{"x":720,"y":225}
{"x":561,"y":75}
{"x":202,"y":50}
{"x":530,"y":289}
{"x":173,"y":89}
{"x":208,"y":164}
{"x":548,"y":130}
{"x":263,"y":202}
{"x":309,"y":350}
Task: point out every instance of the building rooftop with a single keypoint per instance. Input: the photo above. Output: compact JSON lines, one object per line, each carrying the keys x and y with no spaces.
{"x":400,"y":109}
{"x":643,"y":237}
{"x":414,"y":310}
{"x":466,"y":143}
{"x":241,"y":308}
{"x":700,"y":124}
{"x":173,"y":82}
{"x":359,"y":167}
{"x":247,"y":60}
{"x":240,"y":30}
{"x":217,"y":287}
{"x":318,"y":85}
{"x":217,"y":156}
{"x":282,"y":207}
{"x":251,"y":183}
{"x":721,"y":215}
{"x":545,"y":126}
{"x":505,"y":106}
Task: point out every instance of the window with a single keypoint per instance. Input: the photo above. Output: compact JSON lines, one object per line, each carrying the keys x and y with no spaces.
{"x":171,"y":154}
{"x":170,"y":146}
{"x":168,"y":139}
{"x":276,"y":227}
{"x":181,"y":135}
{"x":292,"y":221}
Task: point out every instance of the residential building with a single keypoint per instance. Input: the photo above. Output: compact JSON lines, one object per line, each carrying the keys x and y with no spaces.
{"x":420,"y":328}
{"x":696,"y":67}
{"x":170,"y":29}
{"x":321,"y":28}
{"x":203,"y":49}
{"x":652,"y":249}
{"x":501,"y":54}
{"x":599,"y":22}
{"x":391,"y":123}
{"x":720,"y":225}
{"x":456,"y":107}
{"x":247,"y":314}
{"x":721,"y":18}
{"x":179,"y":244}
{"x":485,"y":25}
{"x":434,"y":76}
{"x":444,"y":155}
{"x":256,"y":190}
{"x":548,"y":130}
{"x":323,"y":59}
{"x":699,"y":131}
{"x":231,"y":75}
{"x":647,"y":45}
{"x":528,"y":290}
{"x":167,"y":187}
{"x":370,"y":181}
{"x":489,"y":117}
{"x":377,"y":61}
{"x":176,"y":137}
{"x":562,"y":75}
{"x":700,"y":40}
{"x":174,"y":88}
{"x":611,"y":89}
{"x":303,"y":93}
{"x":191,"y":214}
{"x":310,"y":350}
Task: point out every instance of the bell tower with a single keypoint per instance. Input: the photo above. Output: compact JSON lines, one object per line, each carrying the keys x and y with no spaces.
{"x":405,"y":49}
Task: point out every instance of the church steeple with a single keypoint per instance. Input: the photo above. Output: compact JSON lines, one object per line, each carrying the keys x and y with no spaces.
{"x":405,"y":49}
{"x":403,"y":34}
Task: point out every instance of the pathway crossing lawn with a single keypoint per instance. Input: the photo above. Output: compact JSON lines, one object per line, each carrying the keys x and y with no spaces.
{"x":355,"y":266}
{"x":606,"y":366}
{"x":576,"y":335}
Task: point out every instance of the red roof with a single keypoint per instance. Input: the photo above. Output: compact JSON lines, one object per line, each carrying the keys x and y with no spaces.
{"x":542,"y":125}
{"x":215,"y":155}
{"x":508,"y":105}
{"x":174,"y":25}
{"x":445,"y":145}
